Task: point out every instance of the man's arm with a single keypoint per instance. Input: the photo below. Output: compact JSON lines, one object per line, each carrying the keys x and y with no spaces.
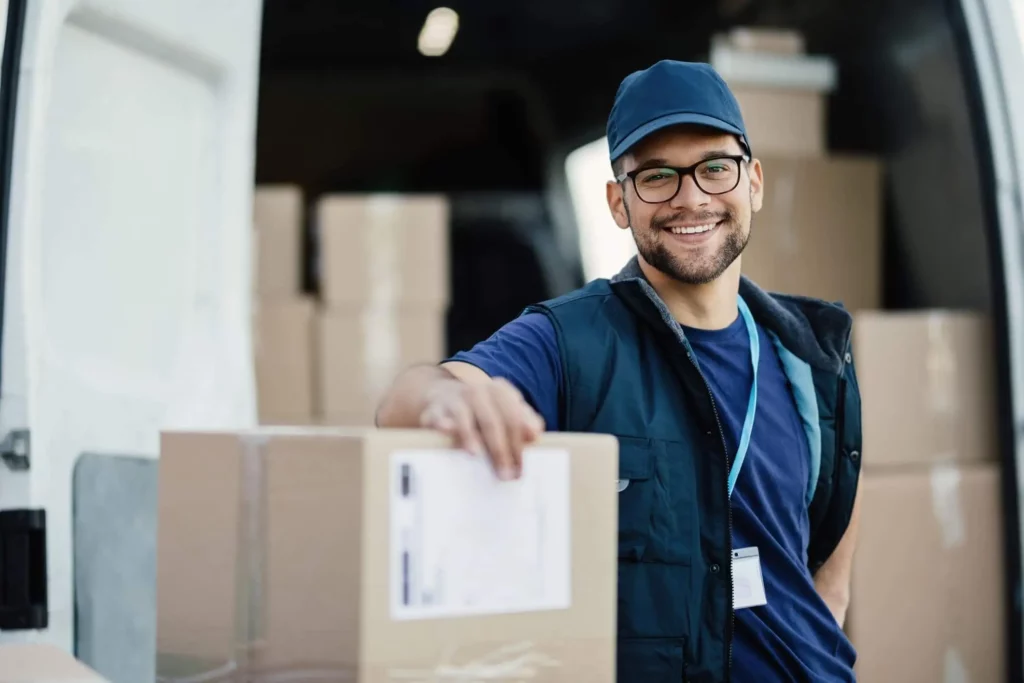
{"x":407,"y":400}
{"x":833,"y":578}
{"x":493,"y":399}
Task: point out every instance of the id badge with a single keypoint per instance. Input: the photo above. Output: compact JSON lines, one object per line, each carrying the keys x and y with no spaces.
{"x":747,"y":581}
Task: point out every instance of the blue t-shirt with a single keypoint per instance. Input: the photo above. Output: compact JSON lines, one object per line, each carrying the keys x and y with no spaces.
{"x":794,"y":637}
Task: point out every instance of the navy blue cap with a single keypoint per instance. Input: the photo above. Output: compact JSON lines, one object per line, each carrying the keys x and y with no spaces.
{"x":667,"y":94}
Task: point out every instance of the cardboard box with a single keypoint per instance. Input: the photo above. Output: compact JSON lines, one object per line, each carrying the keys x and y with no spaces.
{"x":783,"y":121}
{"x":362,"y":351}
{"x":285,"y":353}
{"x":38,"y":663}
{"x":759,"y":39}
{"x":928,"y":590}
{"x":927,"y":381}
{"x":372,"y":556}
{"x":819,"y":230}
{"x":782,"y":96}
{"x":383,"y":250}
{"x":277,"y":241}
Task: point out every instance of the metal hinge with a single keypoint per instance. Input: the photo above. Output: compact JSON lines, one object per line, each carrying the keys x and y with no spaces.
{"x":15,"y":450}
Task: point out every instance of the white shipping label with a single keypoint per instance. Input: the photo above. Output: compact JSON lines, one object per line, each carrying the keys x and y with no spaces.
{"x":465,"y":543}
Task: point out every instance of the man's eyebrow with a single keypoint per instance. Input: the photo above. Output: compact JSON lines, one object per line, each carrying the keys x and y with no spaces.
{"x":660,"y":163}
{"x":712,"y":154}
{"x":653,"y":163}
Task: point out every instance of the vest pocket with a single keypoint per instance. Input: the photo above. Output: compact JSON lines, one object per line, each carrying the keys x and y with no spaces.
{"x":650,"y":660}
{"x":636,"y":497}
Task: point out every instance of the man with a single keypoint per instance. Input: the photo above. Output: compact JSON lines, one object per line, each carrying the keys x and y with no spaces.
{"x":737,"y":412}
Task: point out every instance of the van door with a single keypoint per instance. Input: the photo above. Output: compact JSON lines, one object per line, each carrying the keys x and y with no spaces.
{"x":125,"y":302}
{"x":995,"y":33}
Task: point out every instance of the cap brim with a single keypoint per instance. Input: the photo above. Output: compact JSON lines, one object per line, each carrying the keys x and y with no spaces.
{"x":671,"y":120}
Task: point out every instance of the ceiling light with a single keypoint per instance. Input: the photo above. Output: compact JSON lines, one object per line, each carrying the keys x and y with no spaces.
{"x":438,"y":32}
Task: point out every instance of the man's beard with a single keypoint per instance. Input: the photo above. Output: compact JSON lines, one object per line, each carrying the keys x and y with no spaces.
{"x":651,"y":246}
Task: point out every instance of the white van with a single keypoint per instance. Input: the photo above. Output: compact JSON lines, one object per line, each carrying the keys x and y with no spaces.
{"x":132,"y":132}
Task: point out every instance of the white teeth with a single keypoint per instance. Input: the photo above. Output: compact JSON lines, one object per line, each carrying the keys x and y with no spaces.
{"x":694,"y":230}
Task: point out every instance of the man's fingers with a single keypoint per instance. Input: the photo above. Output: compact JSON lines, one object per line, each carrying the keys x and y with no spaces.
{"x":494,"y":429}
{"x":518,"y":420}
{"x":467,"y":435}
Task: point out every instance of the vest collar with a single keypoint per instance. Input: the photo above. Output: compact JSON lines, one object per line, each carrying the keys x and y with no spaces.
{"x":815,"y":331}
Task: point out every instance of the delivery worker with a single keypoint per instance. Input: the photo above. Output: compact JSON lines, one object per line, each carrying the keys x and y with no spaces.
{"x":737,"y":411}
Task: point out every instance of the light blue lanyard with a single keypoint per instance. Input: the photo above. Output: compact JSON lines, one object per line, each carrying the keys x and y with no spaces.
{"x":748,"y":421}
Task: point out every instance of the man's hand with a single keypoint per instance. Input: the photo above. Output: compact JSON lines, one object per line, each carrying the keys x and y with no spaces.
{"x":488,"y":417}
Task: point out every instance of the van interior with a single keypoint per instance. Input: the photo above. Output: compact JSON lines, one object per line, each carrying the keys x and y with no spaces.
{"x":347,"y":103}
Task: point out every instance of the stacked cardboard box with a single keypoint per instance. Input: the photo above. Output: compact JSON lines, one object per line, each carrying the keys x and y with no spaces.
{"x":819,"y":230}
{"x":371,"y":556}
{"x":384,"y":289}
{"x":283,"y":316}
{"x":383,"y":274}
{"x":928,"y":589}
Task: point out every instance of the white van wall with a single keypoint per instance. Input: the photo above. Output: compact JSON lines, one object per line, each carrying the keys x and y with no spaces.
{"x":127,"y":306}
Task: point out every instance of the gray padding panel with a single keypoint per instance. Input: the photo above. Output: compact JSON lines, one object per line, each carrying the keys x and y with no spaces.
{"x":115,"y":511}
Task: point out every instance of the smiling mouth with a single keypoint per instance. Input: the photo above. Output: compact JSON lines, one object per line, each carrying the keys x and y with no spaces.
{"x":691,"y":229}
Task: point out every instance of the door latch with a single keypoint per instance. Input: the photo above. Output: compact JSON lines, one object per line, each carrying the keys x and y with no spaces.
{"x":15,"y":450}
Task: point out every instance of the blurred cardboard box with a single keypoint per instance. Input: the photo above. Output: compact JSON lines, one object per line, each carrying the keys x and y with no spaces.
{"x":819,"y":231}
{"x":782,"y":97}
{"x":383,"y":249}
{"x":363,"y":350}
{"x":372,"y":556}
{"x":277,"y":241}
{"x":928,"y":590}
{"x":776,"y":41}
{"x":781,"y":121}
{"x":38,"y":663}
{"x":285,"y":354}
{"x":927,"y":381}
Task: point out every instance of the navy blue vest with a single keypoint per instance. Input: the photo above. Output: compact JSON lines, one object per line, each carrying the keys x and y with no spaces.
{"x":628,"y":371}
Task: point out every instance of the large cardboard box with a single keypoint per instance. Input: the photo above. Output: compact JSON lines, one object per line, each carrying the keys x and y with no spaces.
{"x":819,"y":230}
{"x":38,"y":663}
{"x":782,"y":95}
{"x":285,"y":354}
{"x":277,"y":241}
{"x":783,"y":120}
{"x":363,"y":350}
{"x":373,"y":556}
{"x":927,"y":381}
{"x":927,"y":593}
{"x":383,"y":249}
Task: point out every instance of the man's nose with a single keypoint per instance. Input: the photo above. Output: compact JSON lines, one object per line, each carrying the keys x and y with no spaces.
{"x":689,"y":196}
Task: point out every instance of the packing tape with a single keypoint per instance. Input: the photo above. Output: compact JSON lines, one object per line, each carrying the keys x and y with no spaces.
{"x":381,"y":339}
{"x":941,"y":367}
{"x":947,"y":506}
{"x":512,"y":662}
{"x":251,"y":563}
{"x":954,"y":670}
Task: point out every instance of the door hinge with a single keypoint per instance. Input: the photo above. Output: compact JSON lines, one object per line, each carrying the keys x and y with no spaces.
{"x":24,"y":601}
{"x":15,"y":450}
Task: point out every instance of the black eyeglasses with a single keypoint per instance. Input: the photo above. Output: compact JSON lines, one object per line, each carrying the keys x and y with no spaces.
{"x":712,"y":176}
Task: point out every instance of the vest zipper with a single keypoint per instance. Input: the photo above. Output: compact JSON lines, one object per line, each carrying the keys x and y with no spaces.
{"x":728,"y":505}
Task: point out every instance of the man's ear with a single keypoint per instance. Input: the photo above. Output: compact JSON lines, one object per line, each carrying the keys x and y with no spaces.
{"x":756,"y":185}
{"x":617,"y":204}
